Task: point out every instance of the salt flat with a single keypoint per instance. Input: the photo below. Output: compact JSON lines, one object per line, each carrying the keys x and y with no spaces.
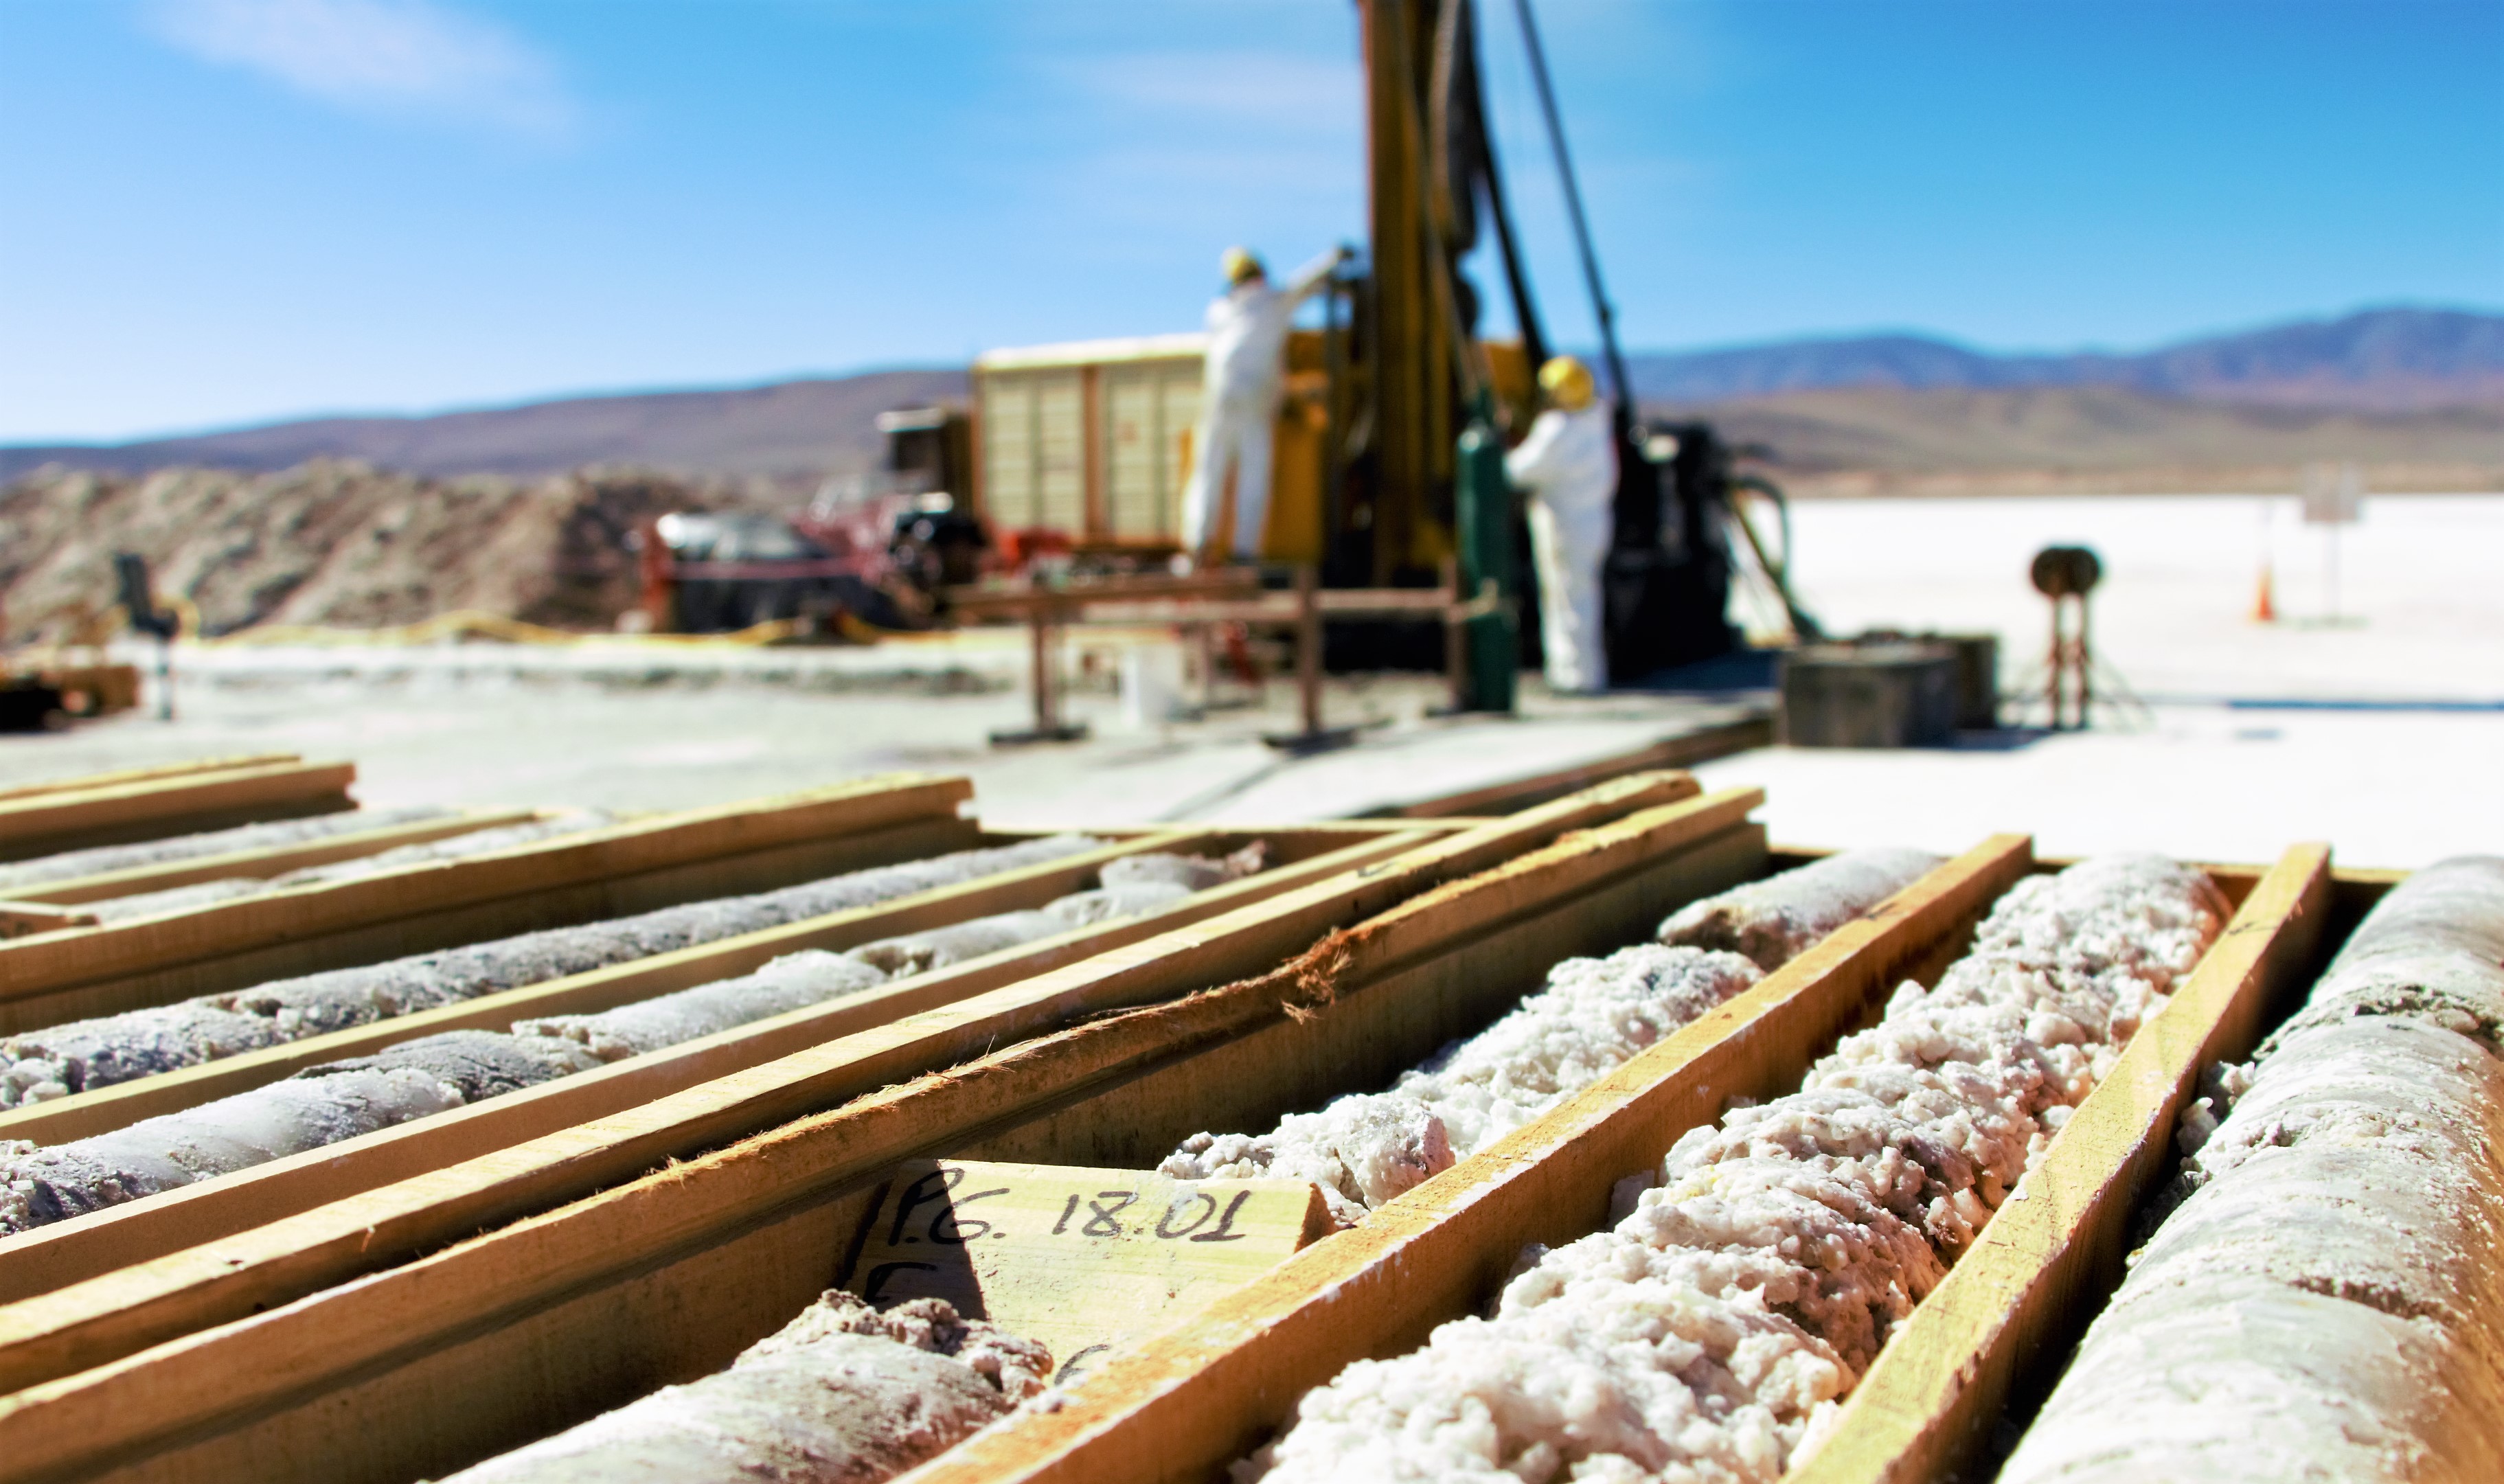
{"x":2216,"y":767}
{"x":2421,"y":585}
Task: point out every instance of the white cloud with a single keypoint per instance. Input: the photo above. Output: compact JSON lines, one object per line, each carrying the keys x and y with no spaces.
{"x":1211,"y":143}
{"x":409,"y":58}
{"x":1279,"y":91}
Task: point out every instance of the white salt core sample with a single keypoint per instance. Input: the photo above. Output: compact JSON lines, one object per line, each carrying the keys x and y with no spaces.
{"x":41,"y":1185}
{"x":450,"y":847}
{"x":317,"y":1107}
{"x":842,"y":1394}
{"x":1708,"y":1336}
{"x":814,"y":977}
{"x":1192,"y":873}
{"x":1592,"y":1015}
{"x":2326,"y":1302}
{"x":18,"y":877}
{"x":84,"y":1054}
{"x":792,"y":982}
{"x":1773,"y":921}
{"x":1367,"y":1148}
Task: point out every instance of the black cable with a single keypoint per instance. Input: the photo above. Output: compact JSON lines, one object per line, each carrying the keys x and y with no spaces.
{"x":1516,"y":273}
{"x":1574,"y":203}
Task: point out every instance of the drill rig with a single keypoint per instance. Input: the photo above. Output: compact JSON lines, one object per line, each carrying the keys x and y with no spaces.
{"x":1388,"y":451}
{"x":1424,"y":397}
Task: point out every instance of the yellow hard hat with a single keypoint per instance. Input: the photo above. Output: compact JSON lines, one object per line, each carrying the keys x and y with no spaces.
{"x":1567,"y":382}
{"x":1240,"y":264}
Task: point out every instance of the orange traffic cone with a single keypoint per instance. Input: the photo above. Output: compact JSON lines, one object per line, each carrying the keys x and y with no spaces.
{"x":2263,"y":607}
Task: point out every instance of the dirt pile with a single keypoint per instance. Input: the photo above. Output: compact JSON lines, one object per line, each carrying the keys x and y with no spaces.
{"x":333,"y":541}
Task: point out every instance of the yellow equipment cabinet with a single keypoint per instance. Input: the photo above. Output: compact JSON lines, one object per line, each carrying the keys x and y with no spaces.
{"x":1092,"y":441}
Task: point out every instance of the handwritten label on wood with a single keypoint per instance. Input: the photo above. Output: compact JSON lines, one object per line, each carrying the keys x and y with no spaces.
{"x":1078,"y":1259}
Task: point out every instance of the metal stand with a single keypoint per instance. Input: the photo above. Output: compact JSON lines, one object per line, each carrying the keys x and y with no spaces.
{"x":1314,"y":738}
{"x":1043,"y":622}
{"x":1206,"y":601}
{"x":2070,"y":665}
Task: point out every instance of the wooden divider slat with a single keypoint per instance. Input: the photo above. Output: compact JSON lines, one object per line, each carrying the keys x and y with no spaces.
{"x":1684,"y":750}
{"x":85,"y":1114}
{"x":256,"y":1319}
{"x":269,"y":860}
{"x":2053,"y":1251}
{"x":54,"y":1257}
{"x":49,"y":822}
{"x":1179,"y":1406}
{"x":24,"y":919}
{"x":123,"y":965}
{"x":123,"y":775}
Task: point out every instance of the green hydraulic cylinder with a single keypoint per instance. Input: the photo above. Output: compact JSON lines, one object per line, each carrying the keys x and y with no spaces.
{"x":1482,"y":502}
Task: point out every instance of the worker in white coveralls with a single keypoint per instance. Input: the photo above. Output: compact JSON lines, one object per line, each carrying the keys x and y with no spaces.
{"x":1569,"y":466}
{"x":1247,"y":342}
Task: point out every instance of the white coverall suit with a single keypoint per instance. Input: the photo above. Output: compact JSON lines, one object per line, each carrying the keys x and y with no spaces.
{"x":1568,"y":466}
{"x":1247,"y":343}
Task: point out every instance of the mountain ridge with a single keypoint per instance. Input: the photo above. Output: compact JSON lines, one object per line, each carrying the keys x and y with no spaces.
{"x":2393,"y":358}
{"x":2402,"y":365}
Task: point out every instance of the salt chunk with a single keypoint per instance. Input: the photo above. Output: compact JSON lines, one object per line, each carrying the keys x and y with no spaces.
{"x":841,"y":1395}
{"x":1775,"y":920}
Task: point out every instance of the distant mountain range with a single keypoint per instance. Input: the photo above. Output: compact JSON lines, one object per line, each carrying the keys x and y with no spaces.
{"x":2429,"y":381}
{"x":2382,"y":359}
{"x":792,"y":427}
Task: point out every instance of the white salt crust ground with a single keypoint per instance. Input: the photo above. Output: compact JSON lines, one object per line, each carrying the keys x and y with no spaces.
{"x":18,"y":877}
{"x":1708,"y":1336}
{"x":340,"y":1100}
{"x":451,"y":847}
{"x":842,"y":1394}
{"x":84,"y":1054}
{"x":2326,"y":1303}
{"x":1593,"y":1015}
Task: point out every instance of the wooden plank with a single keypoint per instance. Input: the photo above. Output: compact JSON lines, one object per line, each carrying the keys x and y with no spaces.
{"x":1458,"y":914}
{"x":54,"y":1257}
{"x":503,"y":916}
{"x":87,"y":1113}
{"x":47,"y":823}
{"x":1077,"y":1258}
{"x":1180,"y":1405}
{"x":893,"y":1100}
{"x":229,"y":945}
{"x":2052,"y":1253}
{"x":119,"y":776}
{"x":24,"y":919}
{"x":269,"y":860}
{"x":1380,"y":1020}
{"x":1681,"y":752}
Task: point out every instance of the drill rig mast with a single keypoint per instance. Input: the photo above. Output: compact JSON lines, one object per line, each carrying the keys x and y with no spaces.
{"x":1416,"y":370}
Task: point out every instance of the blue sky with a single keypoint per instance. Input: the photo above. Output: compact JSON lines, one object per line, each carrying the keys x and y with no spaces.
{"x":219,"y":211}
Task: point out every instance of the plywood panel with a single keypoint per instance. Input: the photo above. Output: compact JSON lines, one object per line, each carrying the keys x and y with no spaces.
{"x":1008,"y":430}
{"x":1135,"y":452}
{"x":1180,"y":395}
{"x":1061,"y":444}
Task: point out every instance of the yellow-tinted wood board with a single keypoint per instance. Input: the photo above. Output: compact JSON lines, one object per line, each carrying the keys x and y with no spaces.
{"x":2053,"y":1251}
{"x":1079,"y":1259}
